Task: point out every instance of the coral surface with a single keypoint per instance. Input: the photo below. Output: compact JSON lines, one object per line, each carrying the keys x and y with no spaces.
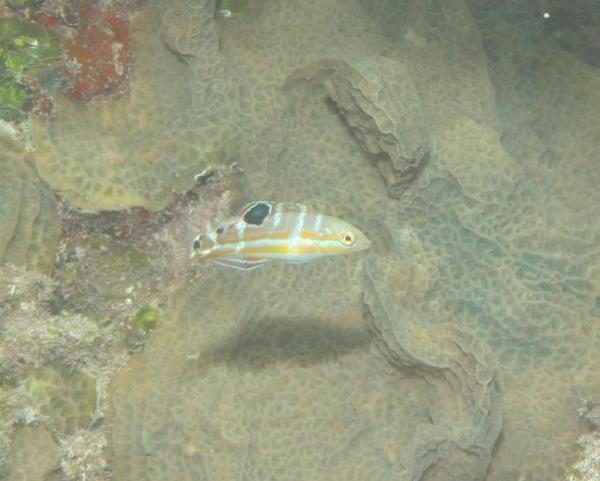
{"x":461,"y":346}
{"x":465,"y":411}
{"x":62,"y":338}
{"x":65,"y":396}
{"x":30,"y":228}
{"x":33,"y":443}
{"x":477,"y":251}
{"x":142,"y":147}
{"x":378,"y":99}
{"x":587,"y":466}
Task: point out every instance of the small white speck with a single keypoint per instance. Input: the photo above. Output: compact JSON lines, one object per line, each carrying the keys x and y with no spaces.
{"x":546,"y":15}
{"x":128,"y":301}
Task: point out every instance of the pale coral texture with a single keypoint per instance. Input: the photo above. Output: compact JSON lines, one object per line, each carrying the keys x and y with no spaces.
{"x":30,"y":228}
{"x":459,"y":347}
{"x":141,"y":147}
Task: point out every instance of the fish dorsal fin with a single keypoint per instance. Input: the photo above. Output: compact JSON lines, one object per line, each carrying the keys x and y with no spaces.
{"x":244,"y":194}
{"x":293,"y":207}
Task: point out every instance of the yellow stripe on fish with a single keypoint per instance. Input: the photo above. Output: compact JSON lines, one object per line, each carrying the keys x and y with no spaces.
{"x":277,"y":230}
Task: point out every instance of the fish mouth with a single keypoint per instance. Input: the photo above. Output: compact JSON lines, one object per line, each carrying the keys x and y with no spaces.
{"x":363,"y":242}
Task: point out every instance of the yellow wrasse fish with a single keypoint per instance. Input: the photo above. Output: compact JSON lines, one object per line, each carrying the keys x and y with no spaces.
{"x":277,"y":230}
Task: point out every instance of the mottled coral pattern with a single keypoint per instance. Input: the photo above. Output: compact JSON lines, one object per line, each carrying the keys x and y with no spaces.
{"x":464,"y":345}
{"x":477,"y":286}
{"x":31,"y":227}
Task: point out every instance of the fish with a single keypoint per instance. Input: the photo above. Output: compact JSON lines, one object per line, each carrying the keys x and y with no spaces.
{"x":265,"y":231}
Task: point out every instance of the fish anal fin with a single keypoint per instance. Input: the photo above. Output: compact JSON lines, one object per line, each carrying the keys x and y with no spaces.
{"x":240,"y":264}
{"x":296,"y":262}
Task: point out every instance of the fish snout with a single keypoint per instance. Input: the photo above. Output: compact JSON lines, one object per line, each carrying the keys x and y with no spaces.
{"x":362,"y":242}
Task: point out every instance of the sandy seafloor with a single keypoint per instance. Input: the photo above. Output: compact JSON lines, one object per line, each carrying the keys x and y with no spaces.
{"x":463,"y":137}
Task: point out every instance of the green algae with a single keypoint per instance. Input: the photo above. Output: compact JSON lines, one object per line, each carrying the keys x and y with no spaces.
{"x":96,"y":287}
{"x":120,"y":269}
{"x":12,"y":97}
{"x":146,"y":319}
{"x":25,"y":4}
{"x":26,"y":51}
{"x":141,"y":325}
{"x":27,"y":48}
{"x":233,"y":6}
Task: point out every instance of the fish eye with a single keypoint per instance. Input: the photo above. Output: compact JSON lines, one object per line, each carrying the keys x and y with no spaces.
{"x":348,"y":238}
{"x":197,"y":243}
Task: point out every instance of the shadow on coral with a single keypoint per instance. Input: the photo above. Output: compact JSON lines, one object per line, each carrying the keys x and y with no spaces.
{"x":258,"y":344}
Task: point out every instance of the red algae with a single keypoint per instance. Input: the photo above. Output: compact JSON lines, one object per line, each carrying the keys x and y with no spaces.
{"x":98,"y":53}
{"x":39,"y":102}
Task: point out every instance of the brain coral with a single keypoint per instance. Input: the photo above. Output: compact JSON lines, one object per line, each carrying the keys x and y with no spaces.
{"x":454,"y":361}
{"x":35,"y":454}
{"x":387,"y":370}
{"x":67,"y":397}
{"x":378,"y":99}
{"x":139,"y":148}
{"x":29,"y":225}
{"x":291,"y":386}
{"x":282,"y":356}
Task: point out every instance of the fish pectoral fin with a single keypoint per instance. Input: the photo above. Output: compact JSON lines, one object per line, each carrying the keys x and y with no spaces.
{"x":240,"y":264}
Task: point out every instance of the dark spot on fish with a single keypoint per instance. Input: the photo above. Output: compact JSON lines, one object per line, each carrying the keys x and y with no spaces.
{"x":220,"y":230}
{"x":257,"y":213}
{"x":196,"y":244}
